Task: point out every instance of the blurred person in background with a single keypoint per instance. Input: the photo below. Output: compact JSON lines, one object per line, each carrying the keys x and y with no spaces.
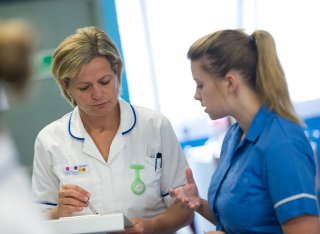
{"x":17,"y":213}
{"x":265,"y":181}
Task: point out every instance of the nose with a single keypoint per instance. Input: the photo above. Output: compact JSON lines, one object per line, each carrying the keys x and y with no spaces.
{"x":197,"y":96}
{"x":97,"y":92}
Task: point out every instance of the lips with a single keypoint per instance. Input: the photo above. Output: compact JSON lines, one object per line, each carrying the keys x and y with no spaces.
{"x":99,"y":104}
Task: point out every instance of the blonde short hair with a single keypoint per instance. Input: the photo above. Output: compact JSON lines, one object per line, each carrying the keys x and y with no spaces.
{"x":77,"y":50}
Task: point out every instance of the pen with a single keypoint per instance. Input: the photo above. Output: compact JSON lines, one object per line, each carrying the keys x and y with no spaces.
{"x":92,"y":208}
{"x":158,"y":156}
{"x":49,"y":203}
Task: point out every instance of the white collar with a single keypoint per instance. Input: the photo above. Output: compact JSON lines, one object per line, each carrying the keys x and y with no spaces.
{"x":127,"y":120}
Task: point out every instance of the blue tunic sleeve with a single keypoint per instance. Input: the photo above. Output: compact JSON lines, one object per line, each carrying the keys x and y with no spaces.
{"x":289,"y":173}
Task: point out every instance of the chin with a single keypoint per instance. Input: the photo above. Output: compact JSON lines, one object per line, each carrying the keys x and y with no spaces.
{"x":213,"y":116}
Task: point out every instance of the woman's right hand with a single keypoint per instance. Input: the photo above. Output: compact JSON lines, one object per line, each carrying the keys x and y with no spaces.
{"x":72,"y":198}
{"x":187,"y":196}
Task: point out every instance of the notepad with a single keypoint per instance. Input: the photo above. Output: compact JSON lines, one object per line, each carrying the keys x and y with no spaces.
{"x":90,"y":224}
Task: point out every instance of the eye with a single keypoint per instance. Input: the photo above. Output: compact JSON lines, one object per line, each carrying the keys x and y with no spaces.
{"x":84,"y":88}
{"x":105,"y":82}
{"x":199,"y":86}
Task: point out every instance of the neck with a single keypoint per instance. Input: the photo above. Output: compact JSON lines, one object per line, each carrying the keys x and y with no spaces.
{"x":104,"y":123}
{"x":245,"y":111}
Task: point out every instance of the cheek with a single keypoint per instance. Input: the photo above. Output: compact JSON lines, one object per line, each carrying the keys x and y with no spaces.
{"x":117,"y":87}
{"x":81,"y":97}
{"x":206,"y":95}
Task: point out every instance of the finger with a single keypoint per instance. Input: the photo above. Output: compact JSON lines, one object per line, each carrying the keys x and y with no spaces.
{"x":189,"y":176}
{"x":76,"y":188}
{"x":73,"y":194}
{"x":70,"y":193}
{"x":133,"y":229}
{"x":67,"y":210}
{"x":70,"y":209}
{"x":172,"y":193}
{"x":72,"y":202}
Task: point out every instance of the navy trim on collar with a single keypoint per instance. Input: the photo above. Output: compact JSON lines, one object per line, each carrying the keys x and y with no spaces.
{"x":134,"y":123}
{"x":123,"y":133}
{"x":69,"y":129}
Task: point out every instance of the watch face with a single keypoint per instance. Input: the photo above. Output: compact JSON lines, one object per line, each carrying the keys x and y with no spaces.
{"x":138,"y":187}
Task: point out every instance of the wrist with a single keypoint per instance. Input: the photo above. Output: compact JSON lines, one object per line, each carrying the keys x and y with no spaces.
{"x":153,"y":223}
{"x":53,"y":213}
{"x":199,"y":206}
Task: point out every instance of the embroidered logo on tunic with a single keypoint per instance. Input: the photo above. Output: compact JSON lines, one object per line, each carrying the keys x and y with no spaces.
{"x":76,"y":169}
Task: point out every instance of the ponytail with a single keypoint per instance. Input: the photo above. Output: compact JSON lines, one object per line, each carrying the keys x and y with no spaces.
{"x":255,"y":57}
{"x":271,"y":83}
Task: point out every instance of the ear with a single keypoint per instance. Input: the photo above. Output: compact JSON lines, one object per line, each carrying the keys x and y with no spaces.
{"x":231,"y":82}
{"x":64,"y":86}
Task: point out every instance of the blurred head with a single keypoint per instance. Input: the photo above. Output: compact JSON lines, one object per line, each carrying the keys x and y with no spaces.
{"x":76,"y":51}
{"x":16,"y":47}
{"x":254,"y":57}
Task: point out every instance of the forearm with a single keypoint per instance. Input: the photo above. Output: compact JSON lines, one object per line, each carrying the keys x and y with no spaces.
{"x":307,"y":224}
{"x":204,"y":211}
{"x":174,"y":218}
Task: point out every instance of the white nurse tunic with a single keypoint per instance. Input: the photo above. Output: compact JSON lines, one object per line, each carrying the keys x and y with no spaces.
{"x":65,"y":153}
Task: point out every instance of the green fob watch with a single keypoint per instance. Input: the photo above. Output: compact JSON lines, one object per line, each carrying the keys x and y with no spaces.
{"x":137,"y":186}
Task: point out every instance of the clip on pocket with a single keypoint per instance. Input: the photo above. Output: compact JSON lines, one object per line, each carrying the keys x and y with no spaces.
{"x":158,"y":157}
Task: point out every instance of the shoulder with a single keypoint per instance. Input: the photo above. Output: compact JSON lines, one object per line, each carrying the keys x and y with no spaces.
{"x":284,"y":140}
{"x":141,"y":118}
{"x":56,"y":127}
{"x":146,"y":115}
{"x":283,"y":130}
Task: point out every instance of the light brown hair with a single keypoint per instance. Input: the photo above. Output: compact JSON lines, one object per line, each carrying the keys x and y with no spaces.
{"x":255,"y":57}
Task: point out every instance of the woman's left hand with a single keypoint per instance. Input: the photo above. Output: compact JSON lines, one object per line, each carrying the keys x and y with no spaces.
{"x":141,"y":226}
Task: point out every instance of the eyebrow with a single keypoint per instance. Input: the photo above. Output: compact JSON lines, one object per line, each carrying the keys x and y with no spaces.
{"x":109,"y":75}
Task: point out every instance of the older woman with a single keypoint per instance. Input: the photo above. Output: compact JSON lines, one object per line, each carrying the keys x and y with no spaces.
{"x":122,"y":158}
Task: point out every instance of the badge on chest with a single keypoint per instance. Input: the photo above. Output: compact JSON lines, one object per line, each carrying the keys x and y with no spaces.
{"x":76,"y":169}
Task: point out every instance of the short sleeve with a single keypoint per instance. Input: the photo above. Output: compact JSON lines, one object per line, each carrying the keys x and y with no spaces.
{"x":174,"y":162}
{"x":289,"y":173}
{"x":45,"y":185}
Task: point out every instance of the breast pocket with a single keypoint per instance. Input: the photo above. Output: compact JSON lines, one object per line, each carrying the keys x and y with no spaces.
{"x":152,"y":176}
{"x":84,"y":176}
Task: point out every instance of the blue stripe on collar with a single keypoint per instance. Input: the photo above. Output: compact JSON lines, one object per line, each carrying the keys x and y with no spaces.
{"x":123,"y":133}
{"x":69,"y":129}
{"x":134,"y":123}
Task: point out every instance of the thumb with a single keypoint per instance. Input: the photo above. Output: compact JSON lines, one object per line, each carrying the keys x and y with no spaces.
{"x":189,"y":176}
{"x":172,"y":192}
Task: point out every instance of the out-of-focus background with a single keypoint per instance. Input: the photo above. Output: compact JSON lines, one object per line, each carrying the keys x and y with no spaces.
{"x":153,"y":37}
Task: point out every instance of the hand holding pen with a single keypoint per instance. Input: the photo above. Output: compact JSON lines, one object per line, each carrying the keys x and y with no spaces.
{"x":72,"y":198}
